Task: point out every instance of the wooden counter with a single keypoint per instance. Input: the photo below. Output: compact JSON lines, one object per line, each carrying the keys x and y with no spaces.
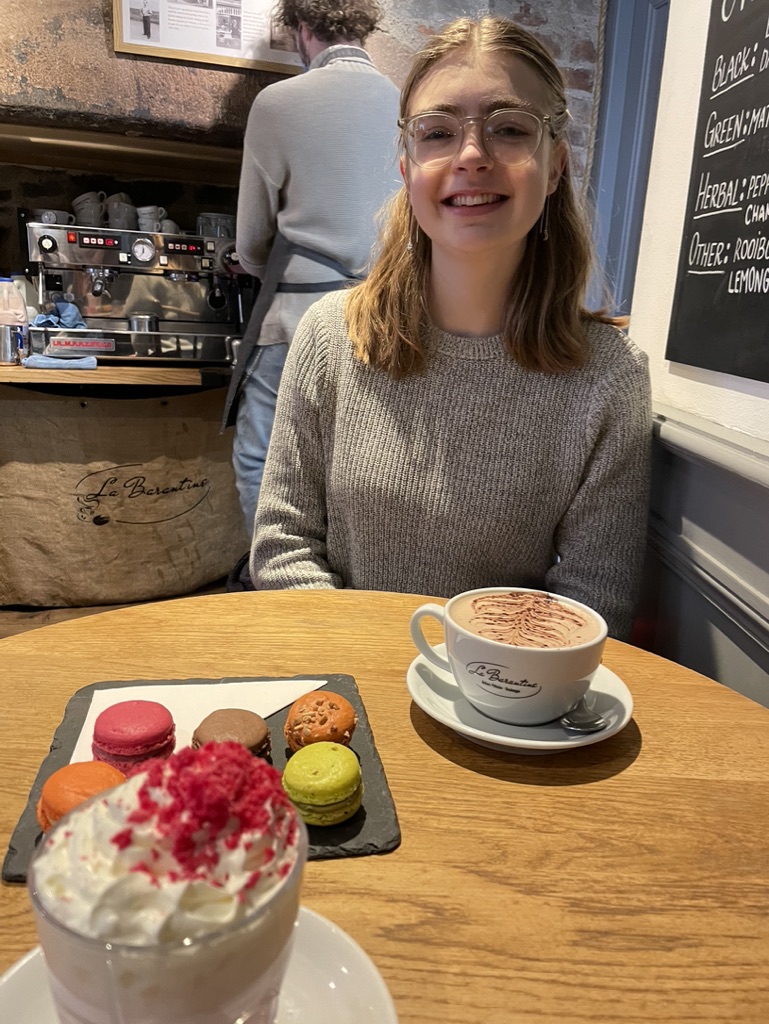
{"x":125,"y":375}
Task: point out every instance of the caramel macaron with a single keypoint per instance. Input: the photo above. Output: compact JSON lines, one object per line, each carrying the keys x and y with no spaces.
{"x":319,"y":717}
{"x":237,"y":726}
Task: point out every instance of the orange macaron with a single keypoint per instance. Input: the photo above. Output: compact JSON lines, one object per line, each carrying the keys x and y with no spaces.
{"x":72,"y":785}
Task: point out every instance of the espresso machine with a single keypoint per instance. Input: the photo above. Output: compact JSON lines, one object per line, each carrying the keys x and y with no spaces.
{"x":145,"y":298}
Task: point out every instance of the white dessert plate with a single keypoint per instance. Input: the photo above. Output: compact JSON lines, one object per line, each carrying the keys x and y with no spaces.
{"x":329,"y":978}
{"x":438,"y":695}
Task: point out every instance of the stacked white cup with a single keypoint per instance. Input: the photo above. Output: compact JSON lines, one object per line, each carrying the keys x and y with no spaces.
{"x":121,"y":213}
{"x":150,"y":217}
{"x":90,"y":209}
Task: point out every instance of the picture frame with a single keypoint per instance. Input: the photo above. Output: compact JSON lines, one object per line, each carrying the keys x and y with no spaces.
{"x":226,"y":33}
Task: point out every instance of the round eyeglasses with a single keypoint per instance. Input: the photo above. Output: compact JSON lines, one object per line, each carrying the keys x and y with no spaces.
{"x":508,"y":136}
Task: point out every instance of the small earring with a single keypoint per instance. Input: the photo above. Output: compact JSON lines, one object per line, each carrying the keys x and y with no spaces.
{"x":544,"y":217}
{"x":414,"y":237}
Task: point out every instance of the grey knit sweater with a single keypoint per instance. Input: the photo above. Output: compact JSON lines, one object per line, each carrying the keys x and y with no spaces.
{"x":475,"y":473}
{"x":320,"y":156}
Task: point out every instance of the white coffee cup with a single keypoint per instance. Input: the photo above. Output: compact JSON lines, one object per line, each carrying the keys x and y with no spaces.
{"x":53,"y":216}
{"x":510,"y":682}
{"x":122,"y":215}
{"x":169,"y":227}
{"x":88,"y":197}
{"x":152,"y":212}
{"x":89,"y":214}
{"x":146,"y":224}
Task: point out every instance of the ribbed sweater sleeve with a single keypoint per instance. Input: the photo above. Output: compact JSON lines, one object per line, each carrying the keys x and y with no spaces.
{"x":258,"y":196}
{"x":291,"y":547}
{"x":474,"y":473}
{"x":602,"y":536}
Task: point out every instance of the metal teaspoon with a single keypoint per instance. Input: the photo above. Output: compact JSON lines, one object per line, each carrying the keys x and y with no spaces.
{"x":582,"y":719}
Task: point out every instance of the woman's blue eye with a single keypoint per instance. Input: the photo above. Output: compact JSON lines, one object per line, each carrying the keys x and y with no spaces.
{"x":436,"y":135}
{"x":509,"y":131}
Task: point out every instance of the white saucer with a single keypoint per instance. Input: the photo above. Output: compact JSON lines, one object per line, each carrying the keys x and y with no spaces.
{"x":438,"y":695}
{"x":329,"y":978}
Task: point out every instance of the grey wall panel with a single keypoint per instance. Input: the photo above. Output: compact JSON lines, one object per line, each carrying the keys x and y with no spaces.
{"x":695,"y":629}
{"x":705,"y":600}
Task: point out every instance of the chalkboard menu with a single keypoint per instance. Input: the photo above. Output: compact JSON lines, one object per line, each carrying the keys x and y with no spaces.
{"x":720,"y":318}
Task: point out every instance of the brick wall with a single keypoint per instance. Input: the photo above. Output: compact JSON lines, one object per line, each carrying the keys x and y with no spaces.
{"x":58,"y":69}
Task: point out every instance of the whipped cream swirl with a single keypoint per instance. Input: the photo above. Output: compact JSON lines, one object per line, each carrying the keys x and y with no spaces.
{"x":179,"y":851}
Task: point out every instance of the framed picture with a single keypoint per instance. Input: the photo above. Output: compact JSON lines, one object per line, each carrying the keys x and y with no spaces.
{"x":231,"y":33}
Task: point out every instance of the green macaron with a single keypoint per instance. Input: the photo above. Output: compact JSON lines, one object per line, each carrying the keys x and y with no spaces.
{"x":323,"y":782}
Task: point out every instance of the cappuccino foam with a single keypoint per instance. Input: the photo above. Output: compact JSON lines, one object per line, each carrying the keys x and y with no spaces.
{"x":525,"y":619}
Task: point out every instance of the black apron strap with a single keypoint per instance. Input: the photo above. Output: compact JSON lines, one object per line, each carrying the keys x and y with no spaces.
{"x":281,"y":252}
{"x":309,"y":287}
{"x":277,"y":261}
{"x":327,"y":261}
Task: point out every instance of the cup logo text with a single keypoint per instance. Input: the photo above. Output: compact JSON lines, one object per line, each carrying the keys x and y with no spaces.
{"x":493,"y":679}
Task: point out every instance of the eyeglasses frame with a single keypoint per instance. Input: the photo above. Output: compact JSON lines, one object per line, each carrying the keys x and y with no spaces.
{"x":545,"y":121}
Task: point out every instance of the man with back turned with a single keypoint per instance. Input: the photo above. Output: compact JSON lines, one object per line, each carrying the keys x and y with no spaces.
{"x":319,"y":160}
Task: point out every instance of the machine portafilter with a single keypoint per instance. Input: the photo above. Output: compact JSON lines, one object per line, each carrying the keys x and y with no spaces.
{"x":100,"y":278}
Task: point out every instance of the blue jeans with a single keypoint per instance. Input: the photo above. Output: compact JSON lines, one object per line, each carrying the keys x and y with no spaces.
{"x":256,"y":412}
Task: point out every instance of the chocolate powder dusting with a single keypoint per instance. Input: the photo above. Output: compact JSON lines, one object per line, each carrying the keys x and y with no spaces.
{"x":531,"y":620}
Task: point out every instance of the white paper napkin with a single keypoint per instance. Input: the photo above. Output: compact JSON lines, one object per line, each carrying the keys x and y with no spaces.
{"x":190,"y":703}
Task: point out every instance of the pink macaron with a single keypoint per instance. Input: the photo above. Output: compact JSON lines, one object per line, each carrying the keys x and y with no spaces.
{"x":129,"y":734}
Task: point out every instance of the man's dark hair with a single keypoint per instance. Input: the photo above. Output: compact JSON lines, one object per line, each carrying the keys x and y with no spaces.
{"x":330,"y":20}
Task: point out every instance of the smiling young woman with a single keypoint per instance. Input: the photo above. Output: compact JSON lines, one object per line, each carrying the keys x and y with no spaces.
{"x":460,"y":419}
{"x":480,"y":195}
{"x":544,"y":315}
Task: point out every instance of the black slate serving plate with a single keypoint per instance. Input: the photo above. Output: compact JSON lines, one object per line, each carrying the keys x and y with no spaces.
{"x":373,"y":829}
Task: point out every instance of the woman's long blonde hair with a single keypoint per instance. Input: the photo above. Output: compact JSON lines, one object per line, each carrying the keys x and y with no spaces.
{"x":544,"y":325}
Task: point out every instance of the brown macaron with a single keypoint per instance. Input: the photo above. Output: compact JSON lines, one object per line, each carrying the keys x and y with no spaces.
{"x":319,"y":717}
{"x":236,"y":725}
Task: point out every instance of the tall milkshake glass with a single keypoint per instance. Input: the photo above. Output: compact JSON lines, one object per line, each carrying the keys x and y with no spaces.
{"x":230,"y":974}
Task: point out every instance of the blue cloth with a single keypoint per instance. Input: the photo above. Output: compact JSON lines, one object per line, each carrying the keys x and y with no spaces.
{"x":256,"y":411}
{"x":37,"y":362}
{"x":67,"y":315}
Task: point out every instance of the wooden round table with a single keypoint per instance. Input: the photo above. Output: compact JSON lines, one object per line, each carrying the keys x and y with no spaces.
{"x":625,"y":882}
